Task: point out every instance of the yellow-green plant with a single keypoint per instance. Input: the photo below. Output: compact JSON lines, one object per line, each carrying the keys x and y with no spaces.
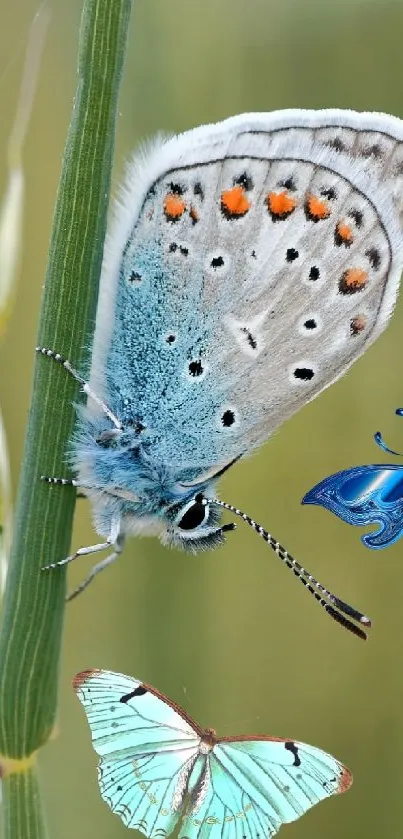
{"x":32,"y":617}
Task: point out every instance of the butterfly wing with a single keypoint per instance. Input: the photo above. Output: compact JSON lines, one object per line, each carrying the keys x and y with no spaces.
{"x":251,"y":787}
{"x":147,"y":748}
{"x":365,"y":495}
{"x":253,"y":261}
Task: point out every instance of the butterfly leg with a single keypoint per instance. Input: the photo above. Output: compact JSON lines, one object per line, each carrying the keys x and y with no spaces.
{"x":90,"y":549}
{"x":63,"y":482}
{"x":97,"y":568}
{"x":116,"y":492}
{"x":115,"y":540}
{"x":85,"y":385}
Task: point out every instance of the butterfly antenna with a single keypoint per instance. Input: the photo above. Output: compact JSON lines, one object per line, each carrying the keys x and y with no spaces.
{"x":336,"y":608}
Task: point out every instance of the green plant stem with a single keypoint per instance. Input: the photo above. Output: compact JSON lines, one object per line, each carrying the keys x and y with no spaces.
{"x":31,"y":629}
{"x":25,"y":821}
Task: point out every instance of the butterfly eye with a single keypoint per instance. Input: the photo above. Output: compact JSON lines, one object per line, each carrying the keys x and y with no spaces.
{"x":195,"y":513}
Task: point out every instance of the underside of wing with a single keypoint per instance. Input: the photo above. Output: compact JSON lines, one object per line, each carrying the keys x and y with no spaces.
{"x":253,"y":261}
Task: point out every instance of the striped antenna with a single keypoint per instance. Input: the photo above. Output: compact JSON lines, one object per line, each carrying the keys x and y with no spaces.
{"x":336,"y":608}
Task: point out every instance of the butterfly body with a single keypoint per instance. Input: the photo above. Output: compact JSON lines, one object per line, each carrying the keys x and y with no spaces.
{"x":158,"y":768}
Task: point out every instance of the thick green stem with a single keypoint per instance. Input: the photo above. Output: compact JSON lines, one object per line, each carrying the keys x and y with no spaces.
{"x":31,"y":630}
{"x":23,"y":821}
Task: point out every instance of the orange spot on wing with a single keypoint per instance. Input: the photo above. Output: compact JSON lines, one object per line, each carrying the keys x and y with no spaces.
{"x":281,"y":204}
{"x":174,"y":206}
{"x":234,"y":202}
{"x":354,"y":279}
{"x":343,"y":234}
{"x":194,"y":215}
{"x":317,"y":209}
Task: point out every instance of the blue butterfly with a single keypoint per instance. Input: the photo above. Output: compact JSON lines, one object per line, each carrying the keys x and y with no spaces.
{"x":363,"y":495}
{"x":160,"y":769}
{"x":249,"y":264}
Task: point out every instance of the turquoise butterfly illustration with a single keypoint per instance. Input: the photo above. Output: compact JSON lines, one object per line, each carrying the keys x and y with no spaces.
{"x":159,"y":768}
{"x":363,"y":495}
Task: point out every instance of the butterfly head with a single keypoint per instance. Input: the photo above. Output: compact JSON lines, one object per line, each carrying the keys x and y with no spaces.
{"x":194,"y":524}
{"x":208,"y":741}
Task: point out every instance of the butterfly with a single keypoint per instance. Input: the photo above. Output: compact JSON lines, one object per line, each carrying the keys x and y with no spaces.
{"x":248,"y":265}
{"x":371,"y":494}
{"x":159,"y":768}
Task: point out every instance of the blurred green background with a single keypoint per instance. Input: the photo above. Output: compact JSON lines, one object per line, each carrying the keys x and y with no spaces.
{"x":230,"y":634}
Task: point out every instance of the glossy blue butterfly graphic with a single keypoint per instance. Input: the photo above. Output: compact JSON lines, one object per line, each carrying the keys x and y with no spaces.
{"x":363,"y":495}
{"x":249,"y":264}
{"x":159,"y":769}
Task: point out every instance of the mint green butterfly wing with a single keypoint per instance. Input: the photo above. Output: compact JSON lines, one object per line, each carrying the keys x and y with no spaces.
{"x":158,"y":767}
{"x":250,"y":787}
{"x":221,"y":808}
{"x":147,"y":749}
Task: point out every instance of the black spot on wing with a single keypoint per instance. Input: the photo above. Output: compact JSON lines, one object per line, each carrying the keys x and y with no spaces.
{"x":337,"y":144}
{"x":244,"y":180}
{"x":174,"y":247}
{"x":358,"y":217}
{"x":251,"y":340}
{"x":217,"y":262}
{"x":139,"y":691}
{"x":304,"y":373}
{"x":288,"y":183}
{"x":314,"y":273}
{"x":176,"y":189}
{"x":228,"y":418}
{"x":372,"y":151}
{"x":291,"y":254}
{"x":195,"y":368}
{"x":198,"y":190}
{"x":374,"y":257}
{"x":291,"y":746}
{"x":328,"y":192}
